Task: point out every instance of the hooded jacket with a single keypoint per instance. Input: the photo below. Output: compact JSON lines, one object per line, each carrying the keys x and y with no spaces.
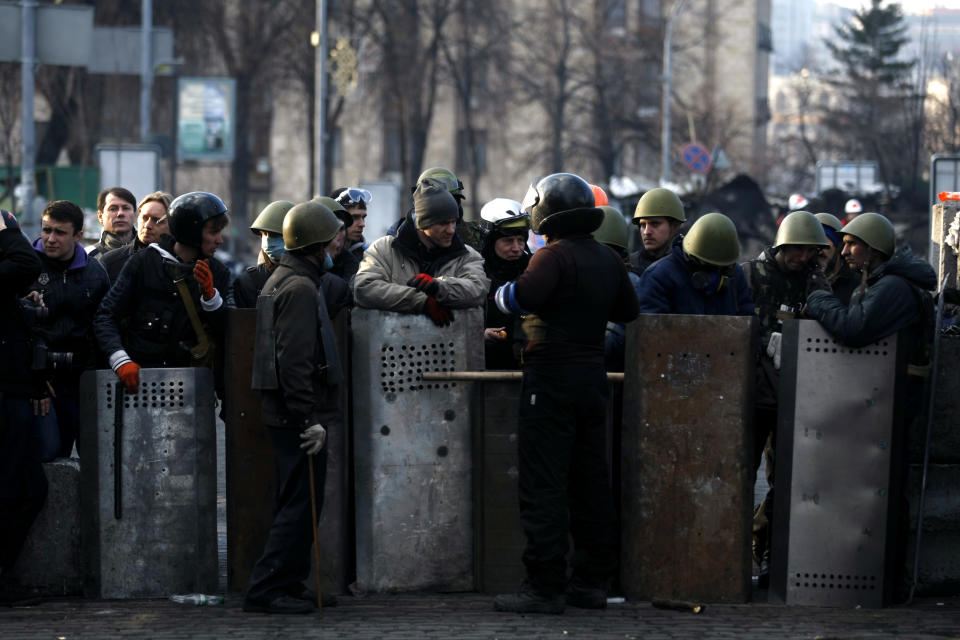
{"x":381,"y":282}
{"x":891,"y":301}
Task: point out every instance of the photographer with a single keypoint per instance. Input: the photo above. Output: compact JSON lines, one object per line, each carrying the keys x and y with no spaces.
{"x":23,"y":486}
{"x":59,"y":311}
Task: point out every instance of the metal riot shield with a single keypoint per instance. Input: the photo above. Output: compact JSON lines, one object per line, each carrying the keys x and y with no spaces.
{"x":251,"y":480}
{"x":835,"y":470}
{"x":686,"y":495}
{"x":149,"y":523}
{"x":413,"y":450}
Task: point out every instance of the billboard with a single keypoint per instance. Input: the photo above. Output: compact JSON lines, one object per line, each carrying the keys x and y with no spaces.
{"x":205,"y":119}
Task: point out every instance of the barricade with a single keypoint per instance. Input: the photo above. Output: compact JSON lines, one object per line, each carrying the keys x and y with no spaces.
{"x":413,"y":451}
{"x":251,"y":481}
{"x":687,"y":420}
{"x":838,"y":452}
{"x":149,"y":484}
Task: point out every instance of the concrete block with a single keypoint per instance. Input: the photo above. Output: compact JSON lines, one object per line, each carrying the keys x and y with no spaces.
{"x":945,"y":437}
{"x":50,"y":561}
{"x":939,"y":563}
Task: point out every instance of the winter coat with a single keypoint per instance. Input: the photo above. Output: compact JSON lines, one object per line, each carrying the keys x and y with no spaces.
{"x":890,"y":303}
{"x":19,"y":266}
{"x":247,"y":286}
{"x":503,"y":354}
{"x":114,"y":259}
{"x":109,"y":242}
{"x":392,"y":260}
{"x":71,"y":296}
{"x":666,"y":286}
{"x":295,"y":284}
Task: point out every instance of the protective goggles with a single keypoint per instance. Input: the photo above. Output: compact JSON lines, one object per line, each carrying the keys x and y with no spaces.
{"x":510,"y":225}
{"x":354,"y":196}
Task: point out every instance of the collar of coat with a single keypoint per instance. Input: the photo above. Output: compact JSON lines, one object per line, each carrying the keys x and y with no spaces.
{"x":429,"y":260}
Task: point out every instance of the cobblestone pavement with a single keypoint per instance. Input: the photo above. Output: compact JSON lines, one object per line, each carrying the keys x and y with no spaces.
{"x":469,"y":616}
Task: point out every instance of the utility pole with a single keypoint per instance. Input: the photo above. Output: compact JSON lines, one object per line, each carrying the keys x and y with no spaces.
{"x":319,"y":41}
{"x":667,"y":71}
{"x":28,"y":148}
{"x":146,"y":67}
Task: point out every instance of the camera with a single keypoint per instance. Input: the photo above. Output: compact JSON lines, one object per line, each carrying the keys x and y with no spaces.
{"x":33,"y":314}
{"x":41,"y":358}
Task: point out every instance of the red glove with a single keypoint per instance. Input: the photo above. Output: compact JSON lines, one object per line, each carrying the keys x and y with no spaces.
{"x":201,"y":271}
{"x":423,"y":282}
{"x":440,"y":315}
{"x":129,"y":375}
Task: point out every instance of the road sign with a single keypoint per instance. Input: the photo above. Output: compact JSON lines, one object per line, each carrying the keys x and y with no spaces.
{"x":64,"y":34}
{"x":696,"y":157}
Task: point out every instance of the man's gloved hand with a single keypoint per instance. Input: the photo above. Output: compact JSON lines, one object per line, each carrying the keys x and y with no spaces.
{"x":817,"y":280}
{"x":440,"y":315}
{"x":423,"y":282}
{"x":129,"y":375}
{"x":314,"y":437}
{"x":201,"y":271}
{"x":773,"y":348}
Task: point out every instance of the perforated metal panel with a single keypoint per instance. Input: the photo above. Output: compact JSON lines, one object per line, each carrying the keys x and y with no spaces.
{"x":413,"y":454}
{"x":833,"y":479}
{"x":152,"y":531}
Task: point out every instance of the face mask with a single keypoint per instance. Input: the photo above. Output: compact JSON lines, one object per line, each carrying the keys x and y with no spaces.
{"x":327,"y":261}
{"x":273,"y":247}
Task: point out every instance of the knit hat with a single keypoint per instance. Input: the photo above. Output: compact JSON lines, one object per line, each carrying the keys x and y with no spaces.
{"x":433,"y":204}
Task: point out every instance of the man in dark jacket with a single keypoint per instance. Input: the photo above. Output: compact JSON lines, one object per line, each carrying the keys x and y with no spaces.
{"x":572,"y":287}
{"x":23,"y":485}
{"x":700,"y":276}
{"x":63,"y":300}
{"x":268,"y":225}
{"x":115,"y":210}
{"x":843,"y":280}
{"x":144,"y":321}
{"x":307,"y":371}
{"x":780,"y":280}
{"x":659,"y":216}
{"x":151,"y":225}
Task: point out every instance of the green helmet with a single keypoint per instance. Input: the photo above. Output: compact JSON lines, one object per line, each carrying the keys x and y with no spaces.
{"x":660,"y":203}
{"x":830,"y":220}
{"x":801,"y":227}
{"x":309,"y":223}
{"x":329,"y":203}
{"x":713,"y":239}
{"x":446,"y":177}
{"x":271,"y":218}
{"x":613,"y":229}
{"x":875,"y":230}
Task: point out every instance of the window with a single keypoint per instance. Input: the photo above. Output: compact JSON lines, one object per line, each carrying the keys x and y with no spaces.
{"x":764,"y":38}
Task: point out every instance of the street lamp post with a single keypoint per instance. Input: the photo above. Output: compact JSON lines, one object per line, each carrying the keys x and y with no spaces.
{"x":667,"y":71}
{"x":319,"y":41}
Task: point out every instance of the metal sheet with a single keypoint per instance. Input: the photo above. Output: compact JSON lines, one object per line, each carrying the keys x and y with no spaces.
{"x":413,"y":452}
{"x":166,"y":538}
{"x":687,"y":500}
{"x":834,"y":469}
{"x":250,"y":470}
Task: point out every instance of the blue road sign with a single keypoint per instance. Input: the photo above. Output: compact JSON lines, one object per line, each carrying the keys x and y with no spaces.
{"x":696,"y":157}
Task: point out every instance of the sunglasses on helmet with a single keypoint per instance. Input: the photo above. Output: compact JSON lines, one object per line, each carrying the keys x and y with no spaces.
{"x":354,"y":196}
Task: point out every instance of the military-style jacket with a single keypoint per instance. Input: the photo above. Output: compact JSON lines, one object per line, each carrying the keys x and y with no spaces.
{"x":392,"y":260}
{"x":772,"y":287}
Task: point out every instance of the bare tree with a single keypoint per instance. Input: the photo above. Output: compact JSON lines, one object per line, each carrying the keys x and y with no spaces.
{"x":9,"y":118}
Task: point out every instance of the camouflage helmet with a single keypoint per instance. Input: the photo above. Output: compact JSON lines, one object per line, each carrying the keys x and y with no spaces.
{"x":830,"y":220}
{"x":445,"y":177}
{"x":875,"y":230}
{"x":562,"y":203}
{"x":271,"y":217}
{"x":613,"y":229}
{"x":713,"y":239}
{"x":802,"y":228}
{"x":659,"y":203}
{"x":309,"y":223}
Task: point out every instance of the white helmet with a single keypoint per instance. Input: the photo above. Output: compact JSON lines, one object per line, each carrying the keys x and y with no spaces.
{"x":502,"y":212}
{"x":853,"y":206}
{"x":797,"y":202}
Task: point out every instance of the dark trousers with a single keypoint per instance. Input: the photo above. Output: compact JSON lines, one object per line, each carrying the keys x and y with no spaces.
{"x":764,"y":450}
{"x":56,"y":432}
{"x":564,"y":481}
{"x":23,"y":485}
{"x":285,"y":562}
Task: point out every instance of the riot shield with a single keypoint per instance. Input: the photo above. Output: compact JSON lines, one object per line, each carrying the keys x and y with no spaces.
{"x":686,"y":493}
{"x":835,"y":476}
{"x":413,"y":453}
{"x":149,"y":484}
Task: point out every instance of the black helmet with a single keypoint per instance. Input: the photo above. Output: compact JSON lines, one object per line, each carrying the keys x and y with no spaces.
{"x":562,"y":203}
{"x":189,"y":212}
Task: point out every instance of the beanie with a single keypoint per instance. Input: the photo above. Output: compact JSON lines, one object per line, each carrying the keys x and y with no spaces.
{"x":433,"y":204}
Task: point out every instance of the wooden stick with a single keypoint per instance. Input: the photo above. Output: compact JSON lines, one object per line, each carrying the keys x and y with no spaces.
{"x":489,"y":376}
{"x":316,"y":541}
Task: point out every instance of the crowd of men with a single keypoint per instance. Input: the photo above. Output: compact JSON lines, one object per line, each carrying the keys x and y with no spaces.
{"x":552,"y":272}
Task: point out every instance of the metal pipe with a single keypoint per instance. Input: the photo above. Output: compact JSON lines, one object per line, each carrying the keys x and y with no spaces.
{"x":320,"y":100}
{"x":28,"y":147}
{"x":146,"y":67}
{"x":488,"y":376}
{"x":667,"y":82}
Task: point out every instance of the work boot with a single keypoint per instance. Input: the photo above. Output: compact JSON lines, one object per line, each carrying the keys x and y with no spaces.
{"x":584,"y":596}
{"x":526,"y":600}
{"x":302,"y":592}
{"x":279,"y":604}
